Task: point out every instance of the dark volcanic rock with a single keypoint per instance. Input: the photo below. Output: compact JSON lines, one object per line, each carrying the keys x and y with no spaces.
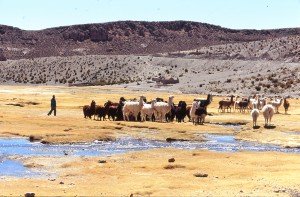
{"x":2,"y":57}
{"x":124,"y":37}
{"x":98,"y":34}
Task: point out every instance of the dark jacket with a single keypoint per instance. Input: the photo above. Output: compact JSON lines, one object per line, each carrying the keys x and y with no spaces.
{"x":53,"y":102}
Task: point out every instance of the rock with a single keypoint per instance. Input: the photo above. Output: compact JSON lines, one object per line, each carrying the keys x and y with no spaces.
{"x":61,"y":183}
{"x":102,"y":161}
{"x":33,"y":138}
{"x":52,"y":179}
{"x":109,"y":49}
{"x":171,"y":160}
{"x":201,"y":174}
{"x":170,"y":139}
{"x":280,"y":190}
{"x":276,"y":190}
{"x":45,"y":142}
{"x":2,"y":57}
{"x":98,"y":34}
{"x":29,"y":194}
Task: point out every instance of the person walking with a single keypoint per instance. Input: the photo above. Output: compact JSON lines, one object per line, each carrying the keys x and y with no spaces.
{"x":53,"y":106}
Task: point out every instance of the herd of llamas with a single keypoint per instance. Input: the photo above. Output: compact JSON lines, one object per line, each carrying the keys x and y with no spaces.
{"x":255,"y":104}
{"x":158,"y":109}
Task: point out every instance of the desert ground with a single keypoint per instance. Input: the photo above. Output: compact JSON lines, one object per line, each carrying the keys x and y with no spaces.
{"x":23,"y":113}
{"x":196,"y":75}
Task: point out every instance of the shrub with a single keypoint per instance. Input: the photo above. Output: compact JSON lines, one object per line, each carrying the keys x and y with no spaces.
{"x":258,"y":88}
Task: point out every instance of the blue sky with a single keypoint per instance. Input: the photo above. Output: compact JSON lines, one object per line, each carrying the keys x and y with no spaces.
{"x":235,"y":14}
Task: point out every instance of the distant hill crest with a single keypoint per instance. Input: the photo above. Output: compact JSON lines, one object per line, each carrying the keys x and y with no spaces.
{"x":124,"y":38}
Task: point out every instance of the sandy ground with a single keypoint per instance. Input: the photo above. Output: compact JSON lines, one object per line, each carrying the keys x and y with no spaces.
{"x":146,"y":172}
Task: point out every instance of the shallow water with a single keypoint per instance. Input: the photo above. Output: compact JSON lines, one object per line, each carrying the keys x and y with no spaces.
{"x":21,"y":146}
{"x":14,"y":168}
{"x":236,"y":127}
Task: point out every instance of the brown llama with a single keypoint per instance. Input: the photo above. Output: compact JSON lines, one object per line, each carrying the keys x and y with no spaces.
{"x":89,"y":110}
{"x":102,"y":111}
{"x":226,"y":104}
{"x":286,"y":104}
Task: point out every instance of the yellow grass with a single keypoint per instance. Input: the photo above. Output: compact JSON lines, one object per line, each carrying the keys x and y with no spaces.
{"x":147,"y":172}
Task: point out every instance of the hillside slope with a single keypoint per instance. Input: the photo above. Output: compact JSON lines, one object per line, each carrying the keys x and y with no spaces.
{"x":200,"y":76}
{"x":285,"y":49}
{"x":124,"y":38}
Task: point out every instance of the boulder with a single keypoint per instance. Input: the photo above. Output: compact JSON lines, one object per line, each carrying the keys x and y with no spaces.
{"x":201,"y":174}
{"x":98,"y":34}
{"x":29,"y":194}
{"x":2,"y":57}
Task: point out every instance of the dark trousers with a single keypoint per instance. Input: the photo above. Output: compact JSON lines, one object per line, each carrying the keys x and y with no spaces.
{"x":52,"y":109}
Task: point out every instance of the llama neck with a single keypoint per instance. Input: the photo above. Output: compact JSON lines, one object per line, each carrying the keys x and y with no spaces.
{"x":107,"y":105}
{"x":194,"y":106}
{"x":231,"y":99}
{"x":152,"y":104}
{"x":170,"y":102}
{"x":280,"y":101}
{"x":141,"y":101}
{"x":93,"y":106}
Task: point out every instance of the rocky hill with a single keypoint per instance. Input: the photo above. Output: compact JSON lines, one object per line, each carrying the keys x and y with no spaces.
{"x":202,"y":58}
{"x":124,"y":38}
{"x":199,"y":76}
{"x":286,"y":49}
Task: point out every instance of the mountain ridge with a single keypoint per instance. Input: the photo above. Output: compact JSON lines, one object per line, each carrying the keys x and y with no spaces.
{"x":124,"y":38}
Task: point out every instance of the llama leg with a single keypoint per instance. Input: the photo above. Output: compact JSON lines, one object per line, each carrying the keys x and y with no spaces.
{"x":266,"y":120}
{"x":124,"y":116}
{"x":143,"y":117}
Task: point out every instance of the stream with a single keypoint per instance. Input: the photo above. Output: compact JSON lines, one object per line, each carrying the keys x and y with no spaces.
{"x":23,"y":147}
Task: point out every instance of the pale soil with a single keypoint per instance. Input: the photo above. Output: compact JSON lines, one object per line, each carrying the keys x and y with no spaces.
{"x":143,"y":173}
{"x":196,"y":75}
